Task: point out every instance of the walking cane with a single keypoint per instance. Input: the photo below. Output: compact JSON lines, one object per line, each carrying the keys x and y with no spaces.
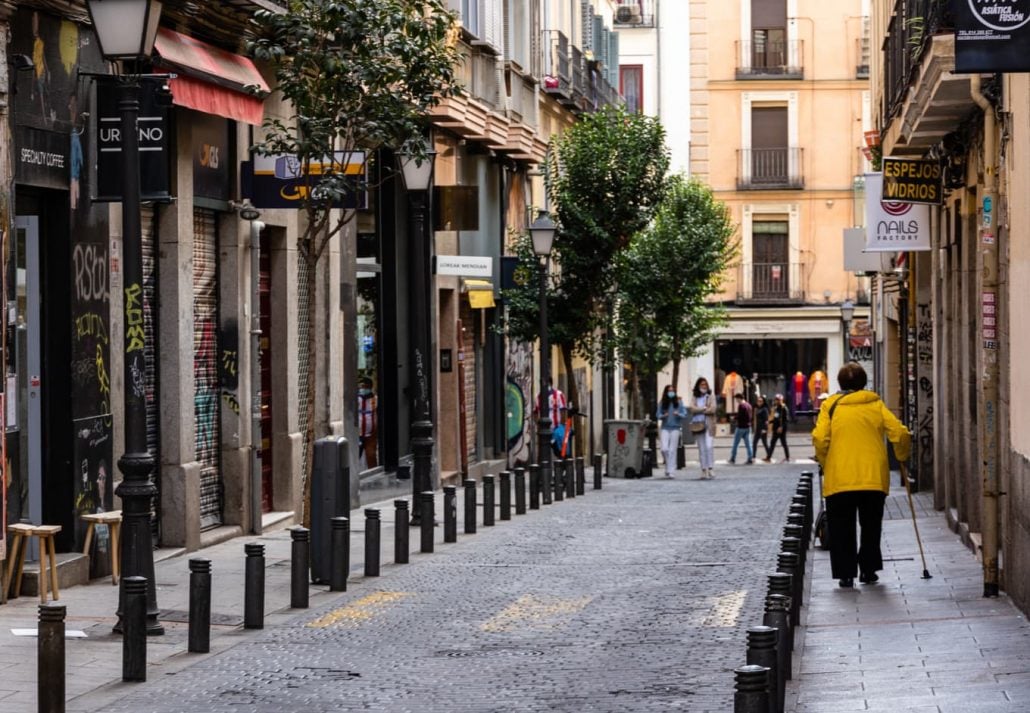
{"x":912,"y":507}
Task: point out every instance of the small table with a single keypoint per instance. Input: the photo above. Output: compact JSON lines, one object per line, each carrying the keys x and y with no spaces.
{"x":113,"y":520}
{"x":45,"y":535}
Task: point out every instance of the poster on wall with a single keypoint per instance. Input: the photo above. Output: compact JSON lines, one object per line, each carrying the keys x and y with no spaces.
{"x":893,"y":227}
{"x":991,"y":36}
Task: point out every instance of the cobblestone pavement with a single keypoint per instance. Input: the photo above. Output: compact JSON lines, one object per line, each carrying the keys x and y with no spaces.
{"x":636,"y":598}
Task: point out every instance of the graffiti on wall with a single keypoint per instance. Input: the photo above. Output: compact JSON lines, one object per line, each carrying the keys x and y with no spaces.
{"x":924,"y":392}
{"x":228,"y":366}
{"x":517,"y":408}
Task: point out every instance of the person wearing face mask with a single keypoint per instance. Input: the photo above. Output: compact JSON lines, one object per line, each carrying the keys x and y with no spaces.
{"x":671,"y":412}
{"x":368,"y":449}
{"x":702,"y":425}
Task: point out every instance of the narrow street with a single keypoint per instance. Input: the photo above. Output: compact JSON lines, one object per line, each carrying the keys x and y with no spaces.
{"x":635,"y":598}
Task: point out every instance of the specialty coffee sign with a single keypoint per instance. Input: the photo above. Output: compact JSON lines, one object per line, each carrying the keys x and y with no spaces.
{"x":41,"y":157}
{"x":992,"y":35}
{"x":908,"y":180}
{"x":153,"y":142}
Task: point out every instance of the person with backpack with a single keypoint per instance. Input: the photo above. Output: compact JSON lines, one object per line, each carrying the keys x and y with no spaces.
{"x":849,"y":445}
{"x":743,"y":429}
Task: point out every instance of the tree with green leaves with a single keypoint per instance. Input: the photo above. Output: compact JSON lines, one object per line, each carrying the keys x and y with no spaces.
{"x":605,"y":176}
{"x":665,"y":279}
{"x":357,"y":76}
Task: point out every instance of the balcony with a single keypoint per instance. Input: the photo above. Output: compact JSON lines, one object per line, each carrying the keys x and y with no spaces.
{"x":557,"y":65}
{"x":770,"y":60}
{"x":577,"y":82}
{"x":770,"y":283}
{"x":769,"y":169}
{"x":634,"y":13}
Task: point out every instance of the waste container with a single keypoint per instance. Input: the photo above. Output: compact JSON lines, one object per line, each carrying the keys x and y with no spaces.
{"x":330,"y":497}
{"x":625,"y":448}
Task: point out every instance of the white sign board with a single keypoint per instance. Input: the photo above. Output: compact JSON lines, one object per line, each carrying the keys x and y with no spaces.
{"x":856,"y":259}
{"x":893,"y":227}
{"x":464,"y":266}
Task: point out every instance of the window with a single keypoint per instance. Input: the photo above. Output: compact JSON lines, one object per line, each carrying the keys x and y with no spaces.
{"x":770,"y":254}
{"x":769,"y":155}
{"x":631,"y":86}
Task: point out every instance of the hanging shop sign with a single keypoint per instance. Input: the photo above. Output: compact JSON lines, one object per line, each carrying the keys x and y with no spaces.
{"x":893,"y":226}
{"x":41,"y":157}
{"x":907,"y":180}
{"x":211,"y":157}
{"x":153,"y":141}
{"x":991,"y":35}
{"x":464,"y":266}
{"x":281,"y":181}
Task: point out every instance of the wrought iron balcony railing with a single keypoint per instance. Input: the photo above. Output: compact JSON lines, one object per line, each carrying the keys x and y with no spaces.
{"x":634,"y":13}
{"x":770,"y":282}
{"x":770,"y":60}
{"x":911,"y":28}
{"x":769,"y":169}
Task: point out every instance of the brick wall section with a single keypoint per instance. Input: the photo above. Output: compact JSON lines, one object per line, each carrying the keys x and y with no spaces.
{"x":468,"y":321}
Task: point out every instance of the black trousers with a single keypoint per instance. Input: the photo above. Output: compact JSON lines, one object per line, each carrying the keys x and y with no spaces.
{"x":754,"y":444}
{"x":848,"y":557}
{"x":782,"y":438}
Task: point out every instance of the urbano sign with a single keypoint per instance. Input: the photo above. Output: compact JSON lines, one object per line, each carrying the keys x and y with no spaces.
{"x":153,"y":142}
{"x":912,"y":181}
{"x":991,"y":35}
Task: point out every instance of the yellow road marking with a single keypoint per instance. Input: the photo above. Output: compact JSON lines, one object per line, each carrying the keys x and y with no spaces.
{"x":725,"y":610}
{"x":359,"y":611}
{"x":535,"y":612}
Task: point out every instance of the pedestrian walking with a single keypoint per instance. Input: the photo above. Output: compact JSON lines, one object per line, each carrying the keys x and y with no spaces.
{"x":743,"y":429}
{"x":368,"y":430}
{"x":849,"y":444}
{"x":778,"y":425}
{"x":671,"y":414}
{"x":761,"y":426}
{"x":702,"y":425}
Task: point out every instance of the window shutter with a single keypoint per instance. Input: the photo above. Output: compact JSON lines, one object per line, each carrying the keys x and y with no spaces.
{"x":601,"y":53}
{"x":597,"y":39}
{"x":613,"y":59}
{"x":586,"y":24}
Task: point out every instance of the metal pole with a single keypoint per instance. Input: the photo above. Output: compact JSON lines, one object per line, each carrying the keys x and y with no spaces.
{"x":450,"y":514}
{"x":543,"y":424}
{"x":598,"y":470}
{"x":488,"y":501}
{"x":50,"y":660}
{"x":371,"y":542}
{"x":581,"y":476}
{"x":470,"y":507}
{"x":401,"y":544}
{"x":299,"y":567}
{"x":421,"y":362}
{"x":339,"y":554}
{"x":137,"y":463}
{"x":505,"y":480}
{"x":534,"y":487}
{"x":426,"y":506}
{"x":134,"y":637}
{"x":520,"y":491}
{"x":199,"y":637}
{"x":256,"y":226}
{"x":254,"y":586}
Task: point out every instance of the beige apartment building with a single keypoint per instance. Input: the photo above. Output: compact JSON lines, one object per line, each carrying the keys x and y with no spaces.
{"x":779,"y":104}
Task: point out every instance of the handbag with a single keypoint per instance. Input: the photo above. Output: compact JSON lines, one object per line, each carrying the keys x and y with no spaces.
{"x":698,"y":426}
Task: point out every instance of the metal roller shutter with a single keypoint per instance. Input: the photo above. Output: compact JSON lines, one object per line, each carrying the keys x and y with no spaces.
{"x":303,"y":357}
{"x":150,"y":384}
{"x":206,"y":399}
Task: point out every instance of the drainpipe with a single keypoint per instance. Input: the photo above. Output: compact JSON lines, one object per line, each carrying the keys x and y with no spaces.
{"x":988,"y":411}
{"x":256,"y":227}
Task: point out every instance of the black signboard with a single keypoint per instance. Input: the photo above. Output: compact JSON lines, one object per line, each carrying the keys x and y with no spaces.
{"x":277,"y":182}
{"x":912,"y":181}
{"x":211,"y":157}
{"x":41,"y":157}
{"x":991,"y":35}
{"x":153,"y":142}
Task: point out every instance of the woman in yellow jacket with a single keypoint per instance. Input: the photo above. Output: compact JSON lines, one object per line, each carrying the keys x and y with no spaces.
{"x":849,"y":444}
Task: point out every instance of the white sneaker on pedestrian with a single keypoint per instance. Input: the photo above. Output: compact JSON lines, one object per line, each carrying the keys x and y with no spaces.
{"x":668,"y":474}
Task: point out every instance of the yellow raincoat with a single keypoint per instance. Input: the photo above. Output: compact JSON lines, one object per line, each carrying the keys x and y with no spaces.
{"x":856,"y":457}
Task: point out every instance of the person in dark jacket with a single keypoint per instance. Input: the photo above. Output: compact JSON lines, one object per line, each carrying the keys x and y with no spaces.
{"x":743,"y":429}
{"x":778,"y":423}
{"x":761,"y":426}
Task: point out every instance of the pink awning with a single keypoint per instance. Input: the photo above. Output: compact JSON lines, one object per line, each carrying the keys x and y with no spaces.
{"x":212,"y":80}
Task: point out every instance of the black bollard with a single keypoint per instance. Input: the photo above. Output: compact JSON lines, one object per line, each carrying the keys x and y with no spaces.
{"x":581,"y":476}
{"x":546,"y":488}
{"x":777,"y":615}
{"x":505,"y":481}
{"x":797,"y":519}
{"x":50,"y":661}
{"x":470,"y":507}
{"x":372,"y":529}
{"x":299,"y":567}
{"x":450,"y":513}
{"x":788,"y":562}
{"x":752,"y":689}
{"x":646,"y":464}
{"x":534,"y":487}
{"x":598,"y":470}
{"x":134,"y":630}
{"x":570,"y":477}
{"x":340,"y":551}
{"x":804,"y":499}
{"x":254,"y":586}
{"x":427,"y":507}
{"x":520,"y":491}
{"x":761,"y":651}
{"x":488,"y":501}
{"x":791,"y":542}
{"x":401,"y":536}
{"x":558,"y":473}
{"x":199,"y":637}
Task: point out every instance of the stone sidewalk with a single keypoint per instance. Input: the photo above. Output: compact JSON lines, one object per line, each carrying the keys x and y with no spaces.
{"x":908,"y":643}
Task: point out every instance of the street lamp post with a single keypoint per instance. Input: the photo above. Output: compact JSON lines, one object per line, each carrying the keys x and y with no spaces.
{"x":417,"y":171}
{"x":125,"y":31}
{"x":847,"y":313}
{"x":542,"y":231}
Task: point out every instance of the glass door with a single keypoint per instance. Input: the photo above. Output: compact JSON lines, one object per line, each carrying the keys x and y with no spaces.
{"x":28,"y":409}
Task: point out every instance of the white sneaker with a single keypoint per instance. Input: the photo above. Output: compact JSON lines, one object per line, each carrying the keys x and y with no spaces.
{"x":668,"y":475}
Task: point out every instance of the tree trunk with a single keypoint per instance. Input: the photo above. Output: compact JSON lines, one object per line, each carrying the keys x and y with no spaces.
{"x":676,"y":369}
{"x":309,"y":407}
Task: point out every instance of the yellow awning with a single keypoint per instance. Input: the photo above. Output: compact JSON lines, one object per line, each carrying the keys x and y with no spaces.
{"x":480,"y":292}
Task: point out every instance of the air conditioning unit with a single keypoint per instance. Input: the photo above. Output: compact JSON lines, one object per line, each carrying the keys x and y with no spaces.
{"x":628,"y":14}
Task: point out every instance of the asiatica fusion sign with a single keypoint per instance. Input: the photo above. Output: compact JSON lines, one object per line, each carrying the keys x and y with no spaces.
{"x":991,"y":35}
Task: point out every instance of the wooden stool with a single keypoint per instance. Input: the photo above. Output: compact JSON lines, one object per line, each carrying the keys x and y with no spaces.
{"x":45,"y":535}
{"x":113,"y":520}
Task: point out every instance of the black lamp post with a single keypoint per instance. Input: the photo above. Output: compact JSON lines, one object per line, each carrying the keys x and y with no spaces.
{"x":125,"y":31}
{"x":542,"y":231}
{"x":417,"y":171}
{"x":847,"y":313}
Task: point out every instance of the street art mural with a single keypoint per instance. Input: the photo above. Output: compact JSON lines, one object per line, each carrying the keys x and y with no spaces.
{"x":517,"y":402}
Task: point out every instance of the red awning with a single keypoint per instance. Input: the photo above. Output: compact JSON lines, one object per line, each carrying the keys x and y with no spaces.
{"x":212,"y":80}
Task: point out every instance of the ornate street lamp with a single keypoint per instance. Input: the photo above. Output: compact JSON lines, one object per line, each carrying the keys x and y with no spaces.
{"x":542,"y":232}
{"x":417,"y":171}
{"x":126,"y":30}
